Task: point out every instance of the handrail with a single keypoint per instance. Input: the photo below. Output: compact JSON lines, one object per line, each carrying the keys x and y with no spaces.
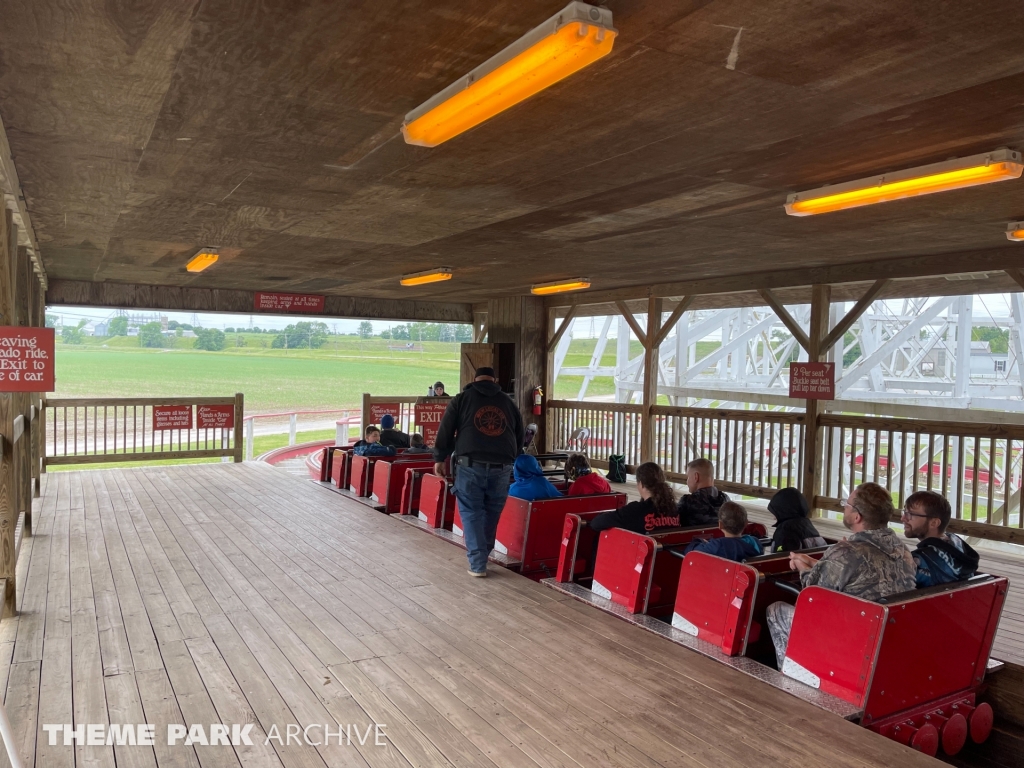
{"x":91,"y":430}
{"x":254,"y":416}
{"x":776,"y":417}
{"x":928,"y":427}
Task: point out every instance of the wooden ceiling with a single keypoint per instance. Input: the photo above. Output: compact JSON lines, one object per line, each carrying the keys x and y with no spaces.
{"x":145,"y":129}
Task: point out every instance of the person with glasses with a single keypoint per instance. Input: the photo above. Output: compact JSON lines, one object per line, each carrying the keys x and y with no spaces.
{"x":940,"y":557}
{"x":870,"y":564}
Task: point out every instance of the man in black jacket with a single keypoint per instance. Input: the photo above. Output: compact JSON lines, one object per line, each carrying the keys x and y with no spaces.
{"x":700,"y":505}
{"x":484,"y":429}
{"x":940,"y":557}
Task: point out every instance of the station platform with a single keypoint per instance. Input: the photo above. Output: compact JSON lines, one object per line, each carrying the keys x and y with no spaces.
{"x":236,"y":593}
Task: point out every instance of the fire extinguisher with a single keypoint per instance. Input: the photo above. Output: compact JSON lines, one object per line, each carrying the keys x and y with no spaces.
{"x":538,"y":400}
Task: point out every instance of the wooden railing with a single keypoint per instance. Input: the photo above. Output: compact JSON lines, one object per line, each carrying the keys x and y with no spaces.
{"x":755,"y":453}
{"x":93,"y":430}
{"x":614,"y":428}
{"x":977,"y":465}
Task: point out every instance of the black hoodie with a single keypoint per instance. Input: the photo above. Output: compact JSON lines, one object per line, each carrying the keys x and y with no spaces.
{"x":480,"y":422}
{"x":792,"y":528}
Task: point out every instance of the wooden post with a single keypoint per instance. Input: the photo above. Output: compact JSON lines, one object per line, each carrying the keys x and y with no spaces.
{"x":820,"y":303}
{"x":365,"y":417}
{"x":239,"y":416}
{"x":650,"y":394}
{"x":23,"y":448}
{"x":8,"y":487}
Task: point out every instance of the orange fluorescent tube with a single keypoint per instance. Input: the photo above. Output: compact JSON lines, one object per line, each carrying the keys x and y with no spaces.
{"x":575,"y":284}
{"x":1015,"y":232}
{"x":1001,"y":165}
{"x":577,"y":36}
{"x":430,"y":276}
{"x":202,"y":260}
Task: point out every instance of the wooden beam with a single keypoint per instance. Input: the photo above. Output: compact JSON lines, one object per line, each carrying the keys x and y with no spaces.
{"x":20,"y":216}
{"x":178,"y":298}
{"x":837,"y":333}
{"x":988,"y":260}
{"x":1017,"y":276}
{"x":669,"y":324}
{"x":8,"y":488}
{"x":632,"y":323}
{"x":820,"y":304}
{"x":786,"y":318}
{"x":650,"y":393}
{"x":562,"y":328}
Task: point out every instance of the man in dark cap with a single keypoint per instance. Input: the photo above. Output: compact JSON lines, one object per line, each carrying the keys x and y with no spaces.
{"x":484,"y":429}
{"x":395,"y":438}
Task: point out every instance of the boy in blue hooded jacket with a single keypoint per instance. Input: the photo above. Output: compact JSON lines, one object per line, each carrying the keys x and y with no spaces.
{"x":734,"y":544}
{"x":530,"y":483}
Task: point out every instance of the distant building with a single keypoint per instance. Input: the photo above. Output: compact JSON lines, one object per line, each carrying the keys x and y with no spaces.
{"x":101,"y":329}
{"x":133,"y":330}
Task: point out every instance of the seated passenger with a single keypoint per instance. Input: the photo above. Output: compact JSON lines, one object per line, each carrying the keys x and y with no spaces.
{"x":371,"y":446}
{"x":396,"y":438}
{"x":530,"y":483}
{"x":583,"y":480}
{"x":870,"y":564}
{"x":700,"y":505}
{"x":371,"y":430}
{"x":733,"y":544}
{"x":419,"y":445}
{"x":940,"y":557}
{"x":655,"y":511}
{"x":792,"y":528}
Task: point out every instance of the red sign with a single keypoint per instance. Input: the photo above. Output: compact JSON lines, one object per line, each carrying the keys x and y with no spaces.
{"x":172,"y":417}
{"x":26,"y":359}
{"x":289,"y":302}
{"x":812,"y":381}
{"x":428,"y":418}
{"x":378,"y":410}
{"x":215,"y":416}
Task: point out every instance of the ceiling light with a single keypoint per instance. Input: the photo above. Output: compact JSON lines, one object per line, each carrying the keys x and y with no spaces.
{"x":430,"y":276}
{"x":1015,"y":232}
{"x":1000,"y":165}
{"x":561,"y":286}
{"x":205,"y":258}
{"x":578,"y":35}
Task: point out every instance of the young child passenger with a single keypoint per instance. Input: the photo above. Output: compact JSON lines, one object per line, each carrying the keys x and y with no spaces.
{"x":419,"y":445}
{"x":583,"y":481}
{"x":530,"y":483}
{"x":734,"y":544}
{"x":371,"y":445}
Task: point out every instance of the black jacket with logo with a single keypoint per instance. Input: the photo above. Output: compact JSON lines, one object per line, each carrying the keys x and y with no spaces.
{"x":481,"y":422}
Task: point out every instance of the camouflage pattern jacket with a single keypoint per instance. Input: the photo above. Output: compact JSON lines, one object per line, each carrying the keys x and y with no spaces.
{"x":869,"y":565}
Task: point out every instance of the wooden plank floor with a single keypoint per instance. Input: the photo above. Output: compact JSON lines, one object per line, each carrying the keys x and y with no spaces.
{"x":240,"y":594}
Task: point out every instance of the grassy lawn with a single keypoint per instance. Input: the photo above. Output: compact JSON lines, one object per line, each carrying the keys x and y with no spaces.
{"x":334,"y":376}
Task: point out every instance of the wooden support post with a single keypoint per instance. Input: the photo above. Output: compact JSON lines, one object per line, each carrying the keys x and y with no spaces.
{"x":649,"y":340}
{"x":8,"y":484}
{"x":365,"y":415}
{"x":820,"y":304}
{"x":239,"y":417}
{"x":23,"y":277}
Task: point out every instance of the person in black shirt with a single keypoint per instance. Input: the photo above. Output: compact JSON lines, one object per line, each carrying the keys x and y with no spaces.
{"x":792,"y":528}
{"x":396,"y":438}
{"x":484,"y":429}
{"x":655,"y":511}
{"x":700,"y":505}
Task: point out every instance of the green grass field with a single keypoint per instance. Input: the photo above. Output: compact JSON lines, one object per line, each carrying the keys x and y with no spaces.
{"x":271,"y":379}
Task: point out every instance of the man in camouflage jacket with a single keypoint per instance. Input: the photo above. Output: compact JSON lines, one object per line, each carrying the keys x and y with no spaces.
{"x":870,"y":564}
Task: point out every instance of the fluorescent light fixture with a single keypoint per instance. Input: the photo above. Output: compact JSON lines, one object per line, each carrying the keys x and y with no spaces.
{"x":430,"y":276}
{"x":1015,"y":232}
{"x":1000,"y":165}
{"x":560,"y":286}
{"x":205,"y":258}
{"x":578,"y":35}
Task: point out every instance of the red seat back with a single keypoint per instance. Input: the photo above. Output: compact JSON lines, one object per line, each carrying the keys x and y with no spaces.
{"x":386,"y":486}
{"x":896,"y":656}
{"x":575,"y":547}
{"x":630,"y":571}
{"x":361,"y":474}
{"x":715,"y":600}
{"x":436,"y":503}
{"x":531,"y":531}
{"x":341,"y":466}
{"x":411,"y":484}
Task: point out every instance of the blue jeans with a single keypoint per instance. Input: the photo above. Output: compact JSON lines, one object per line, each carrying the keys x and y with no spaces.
{"x":481,"y":492}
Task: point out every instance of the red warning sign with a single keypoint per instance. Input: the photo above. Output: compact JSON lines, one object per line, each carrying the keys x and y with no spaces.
{"x":215,"y":416}
{"x":26,"y":359}
{"x":172,"y":417}
{"x":289,"y":302}
{"x":812,"y":381}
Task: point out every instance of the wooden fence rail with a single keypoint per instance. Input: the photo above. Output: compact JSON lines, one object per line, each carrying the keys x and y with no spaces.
{"x":977,"y":465}
{"x":94,"y":430}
